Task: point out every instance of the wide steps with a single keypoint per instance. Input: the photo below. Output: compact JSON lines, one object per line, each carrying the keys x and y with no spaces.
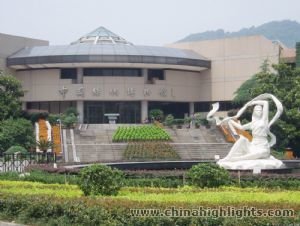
{"x":100,"y":152}
{"x":94,"y":143}
{"x":201,"y":151}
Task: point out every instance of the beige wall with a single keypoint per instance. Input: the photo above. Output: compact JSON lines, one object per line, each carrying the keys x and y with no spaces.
{"x":10,"y":44}
{"x":44,"y":85}
{"x":233,"y":61}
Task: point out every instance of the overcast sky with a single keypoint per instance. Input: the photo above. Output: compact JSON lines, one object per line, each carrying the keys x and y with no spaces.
{"x":142,"y":22}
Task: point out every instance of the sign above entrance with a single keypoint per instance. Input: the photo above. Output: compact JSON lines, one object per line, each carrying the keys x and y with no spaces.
{"x":112,"y":117}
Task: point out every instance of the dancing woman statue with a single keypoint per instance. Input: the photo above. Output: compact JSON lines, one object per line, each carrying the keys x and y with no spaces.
{"x":259,"y":147}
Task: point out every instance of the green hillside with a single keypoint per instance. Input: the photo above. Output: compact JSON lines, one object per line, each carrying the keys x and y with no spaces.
{"x":286,"y":31}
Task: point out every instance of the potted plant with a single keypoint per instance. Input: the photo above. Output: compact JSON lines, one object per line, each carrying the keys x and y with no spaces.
{"x":169,"y":121}
{"x":179,"y":122}
{"x":288,"y":153}
{"x":187,"y":121}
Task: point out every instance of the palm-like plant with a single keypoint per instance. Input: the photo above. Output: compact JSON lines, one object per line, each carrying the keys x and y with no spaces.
{"x":44,"y":145}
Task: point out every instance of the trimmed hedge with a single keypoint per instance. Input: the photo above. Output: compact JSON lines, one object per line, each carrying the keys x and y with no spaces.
{"x":16,"y":149}
{"x":40,"y":176}
{"x":39,"y":210}
{"x":152,"y":178}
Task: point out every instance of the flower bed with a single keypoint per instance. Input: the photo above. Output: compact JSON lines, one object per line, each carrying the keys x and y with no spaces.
{"x":56,"y":139}
{"x":43,"y":130}
{"x":150,"y":151}
{"x":140,"y":133}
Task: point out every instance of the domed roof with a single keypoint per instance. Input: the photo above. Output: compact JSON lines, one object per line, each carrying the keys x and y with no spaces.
{"x":101,"y":35}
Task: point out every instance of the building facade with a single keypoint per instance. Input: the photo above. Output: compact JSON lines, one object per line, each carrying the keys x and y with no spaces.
{"x":103,"y":73}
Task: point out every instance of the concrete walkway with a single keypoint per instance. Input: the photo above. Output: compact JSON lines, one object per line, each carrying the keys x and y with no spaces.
{"x":2,"y":223}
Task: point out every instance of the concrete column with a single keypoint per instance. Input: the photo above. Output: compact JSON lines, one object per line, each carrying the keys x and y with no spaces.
{"x":65,"y":145}
{"x":145,"y":74}
{"x":24,"y":106}
{"x":79,"y":75}
{"x":192,"y":109}
{"x":79,"y":106}
{"x":144,"y":110}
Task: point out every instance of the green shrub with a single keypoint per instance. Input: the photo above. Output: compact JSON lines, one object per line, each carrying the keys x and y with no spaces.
{"x":71,"y":110}
{"x":35,"y":115}
{"x":52,"y":118}
{"x":169,"y":120}
{"x":156,"y":114}
{"x":208,"y":175}
{"x":69,"y":117}
{"x":100,"y":180}
{"x":15,"y":149}
{"x":69,"y":120}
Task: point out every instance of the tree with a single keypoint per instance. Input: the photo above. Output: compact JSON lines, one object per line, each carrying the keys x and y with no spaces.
{"x":16,"y":132}
{"x":243,"y":93}
{"x":10,"y":93}
{"x":283,"y":82}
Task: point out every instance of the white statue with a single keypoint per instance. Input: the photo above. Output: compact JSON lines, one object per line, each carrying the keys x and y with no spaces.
{"x":255,"y":154}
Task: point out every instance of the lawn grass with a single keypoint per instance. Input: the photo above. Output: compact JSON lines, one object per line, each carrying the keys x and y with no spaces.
{"x":36,"y":188}
{"x":220,"y":196}
{"x":190,"y":195}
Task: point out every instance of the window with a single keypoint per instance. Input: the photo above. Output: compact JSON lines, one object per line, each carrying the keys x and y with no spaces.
{"x":68,"y":73}
{"x":202,"y":106}
{"x":54,"y":107}
{"x":156,"y":74}
{"x":121,"y":72}
{"x":207,"y":106}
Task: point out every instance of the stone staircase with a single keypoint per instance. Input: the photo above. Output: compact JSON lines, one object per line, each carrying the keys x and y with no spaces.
{"x":201,"y":151}
{"x":201,"y":135}
{"x":94,"y":143}
{"x":100,"y":152}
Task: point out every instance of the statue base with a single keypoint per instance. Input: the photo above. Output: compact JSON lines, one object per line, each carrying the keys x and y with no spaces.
{"x":270,"y":163}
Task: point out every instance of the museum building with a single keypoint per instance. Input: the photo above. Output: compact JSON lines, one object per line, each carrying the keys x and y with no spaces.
{"x":103,"y":73}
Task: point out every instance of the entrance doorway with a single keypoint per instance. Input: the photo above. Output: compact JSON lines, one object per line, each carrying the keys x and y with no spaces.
{"x":129,"y":111}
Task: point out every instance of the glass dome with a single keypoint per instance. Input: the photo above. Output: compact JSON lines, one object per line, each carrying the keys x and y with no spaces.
{"x":101,"y":35}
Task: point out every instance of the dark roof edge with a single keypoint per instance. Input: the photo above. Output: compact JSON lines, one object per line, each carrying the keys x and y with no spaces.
{"x":11,"y":61}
